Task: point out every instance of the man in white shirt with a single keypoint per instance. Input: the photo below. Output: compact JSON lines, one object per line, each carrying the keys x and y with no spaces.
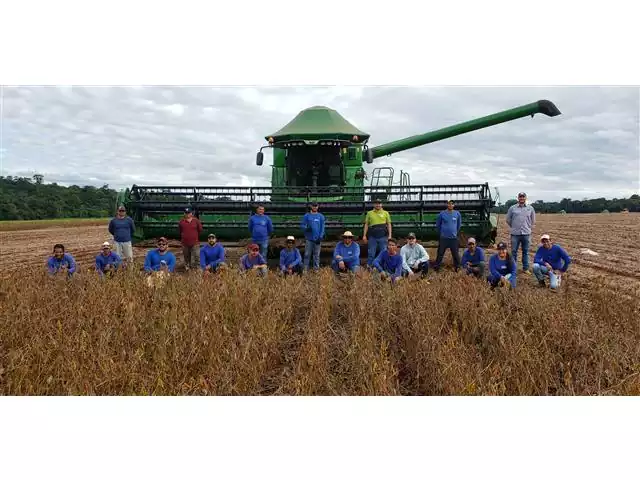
{"x":415,"y":258}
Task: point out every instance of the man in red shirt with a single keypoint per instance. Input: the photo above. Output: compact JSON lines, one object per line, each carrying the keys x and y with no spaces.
{"x":190,"y":230}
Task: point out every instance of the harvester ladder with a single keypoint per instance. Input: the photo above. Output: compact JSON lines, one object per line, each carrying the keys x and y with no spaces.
{"x":382,"y":189}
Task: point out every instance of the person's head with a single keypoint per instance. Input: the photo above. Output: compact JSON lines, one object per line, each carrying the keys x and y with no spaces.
{"x":450,"y":204}
{"x":347,"y":238}
{"x":546,"y":241}
{"x":291,"y":242}
{"x":411,"y":238}
{"x":522,"y":198}
{"x":106,"y":249}
{"x":314,"y":207}
{"x":392,"y":246}
{"x":253,"y":250}
{"x":502,"y":250}
{"x":260,"y":210}
{"x":471,"y":244}
{"x":122,"y":211}
{"x":211,"y":239}
{"x":378,"y":204}
{"x":58,"y":250}
{"x":188,"y":213}
{"x":163,"y":244}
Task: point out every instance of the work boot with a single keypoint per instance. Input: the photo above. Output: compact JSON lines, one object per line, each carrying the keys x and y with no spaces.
{"x":541,"y":283}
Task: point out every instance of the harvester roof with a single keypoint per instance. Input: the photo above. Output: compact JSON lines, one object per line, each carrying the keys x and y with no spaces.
{"x":317,"y":123}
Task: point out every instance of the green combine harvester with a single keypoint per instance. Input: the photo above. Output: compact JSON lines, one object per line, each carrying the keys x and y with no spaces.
{"x":319,"y":157}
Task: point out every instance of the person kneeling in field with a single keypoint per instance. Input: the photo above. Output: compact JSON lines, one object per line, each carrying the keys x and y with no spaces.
{"x":253,"y":261}
{"x":389,"y":263}
{"x":61,"y":263}
{"x":415,"y":258}
{"x":212,"y":255}
{"x":107,"y":262}
{"x":473,"y":259}
{"x":550,"y":260}
{"x":290,"y":258}
{"x":502,"y":268}
{"x":346,"y":255}
{"x":160,"y":259}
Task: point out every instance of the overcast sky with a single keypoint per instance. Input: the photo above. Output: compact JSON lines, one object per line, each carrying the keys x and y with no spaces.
{"x":209,"y":136}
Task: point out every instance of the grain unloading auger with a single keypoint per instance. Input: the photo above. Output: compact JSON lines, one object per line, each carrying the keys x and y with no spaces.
{"x":319,"y":156}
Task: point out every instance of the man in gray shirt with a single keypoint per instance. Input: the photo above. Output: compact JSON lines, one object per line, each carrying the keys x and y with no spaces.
{"x":521,"y":219}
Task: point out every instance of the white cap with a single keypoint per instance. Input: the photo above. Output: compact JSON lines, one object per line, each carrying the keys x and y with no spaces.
{"x":106,"y":244}
{"x":291,"y":238}
{"x":545,"y":237}
{"x":471,"y":240}
{"x":347,"y":234}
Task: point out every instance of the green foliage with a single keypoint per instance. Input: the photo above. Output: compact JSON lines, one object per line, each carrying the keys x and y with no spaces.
{"x":594,"y":205}
{"x":31,"y":199}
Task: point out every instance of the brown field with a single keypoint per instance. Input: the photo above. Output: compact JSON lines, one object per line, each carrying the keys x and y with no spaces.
{"x":319,"y":335}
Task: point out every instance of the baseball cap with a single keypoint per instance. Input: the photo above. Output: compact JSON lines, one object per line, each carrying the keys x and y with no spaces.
{"x":314,"y":204}
{"x":545,"y":237}
{"x":347,"y":234}
{"x":522,"y":194}
{"x":253,"y":246}
{"x":411,"y":235}
{"x":106,"y":244}
{"x":187,"y":210}
{"x":502,"y":246}
{"x":211,"y":235}
{"x":290,"y":239}
{"x":450,"y":200}
{"x":162,"y":239}
{"x":471,"y":240}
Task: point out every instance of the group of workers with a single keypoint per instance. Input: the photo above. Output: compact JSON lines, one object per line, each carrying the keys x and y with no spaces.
{"x":385,"y":257}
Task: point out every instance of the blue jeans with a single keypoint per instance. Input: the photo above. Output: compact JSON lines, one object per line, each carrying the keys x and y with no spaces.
{"x":309,"y":248}
{"x":375,"y":247}
{"x":540,"y":271}
{"x":264,"y":247}
{"x":516,"y":242}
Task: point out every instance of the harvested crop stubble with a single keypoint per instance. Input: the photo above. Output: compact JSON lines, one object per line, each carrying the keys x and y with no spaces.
{"x":317,"y":335}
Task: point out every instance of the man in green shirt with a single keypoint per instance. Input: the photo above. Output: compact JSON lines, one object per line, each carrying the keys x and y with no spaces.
{"x":377,"y":231}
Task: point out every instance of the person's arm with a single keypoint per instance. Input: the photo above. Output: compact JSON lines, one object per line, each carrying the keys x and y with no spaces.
{"x":537,"y":258}
{"x":389,"y":224}
{"x":466,"y":257}
{"x":262,"y":261}
{"x":398,"y":271}
{"x":133,"y":226}
{"x":220,"y":258}
{"x":147,"y":262}
{"x":376,"y":262}
{"x":459,"y":222}
{"x":508,"y":216}
{"x":171,"y":262}
{"x":481,"y":257}
{"x":439,"y":222}
{"x":533,"y":217}
{"x":322,"y":232}
{"x":337,"y":253}
{"x":111,"y":227}
{"x":199,"y":225}
{"x":269,"y":226}
{"x":203,"y":261}
{"x":366,"y":226}
{"x":567,"y":259}
{"x":405,"y":265}
{"x":72,"y":263}
{"x":283,"y":254}
{"x":303,"y":223}
{"x":513,"y":272}
{"x":298,"y":260}
{"x":99,"y":264}
{"x":492,"y":267}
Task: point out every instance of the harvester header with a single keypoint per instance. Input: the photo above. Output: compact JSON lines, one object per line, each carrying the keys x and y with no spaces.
{"x":318,"y":157}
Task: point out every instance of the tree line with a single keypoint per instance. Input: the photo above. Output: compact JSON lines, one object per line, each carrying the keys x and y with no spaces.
{"x":23,"y":198}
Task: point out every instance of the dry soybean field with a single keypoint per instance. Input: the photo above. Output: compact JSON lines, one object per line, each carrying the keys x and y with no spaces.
{"x":320,"y":335}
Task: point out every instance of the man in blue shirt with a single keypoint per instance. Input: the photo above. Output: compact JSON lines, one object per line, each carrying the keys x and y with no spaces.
{"x":290,"y":258}
{"x":448,"y":226}
{"x":346,"y":255}
{"x":261,"y":228}
{"x":212,"y":255}
{"x":389,"y":262}
{"x":61,"y":263}
{"x":107,"y":262}
{"x":551,"y":260}
{"x":122,"y":228}
{"x":312,"y":225}
{"x":160,"y":259}
{"x":521,"y":219}
{"x":473,"y":259}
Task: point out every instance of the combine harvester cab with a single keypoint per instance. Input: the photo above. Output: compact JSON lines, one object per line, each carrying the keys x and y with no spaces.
{"x":319,"y":157}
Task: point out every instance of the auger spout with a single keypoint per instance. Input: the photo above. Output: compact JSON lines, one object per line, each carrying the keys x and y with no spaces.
{"x":545,"y":107}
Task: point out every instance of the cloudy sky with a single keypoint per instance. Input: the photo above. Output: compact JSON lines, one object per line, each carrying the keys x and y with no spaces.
{"x":209,"y":136}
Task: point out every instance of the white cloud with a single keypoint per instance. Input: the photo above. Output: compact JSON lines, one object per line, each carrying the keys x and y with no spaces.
{"x":209,"y":136}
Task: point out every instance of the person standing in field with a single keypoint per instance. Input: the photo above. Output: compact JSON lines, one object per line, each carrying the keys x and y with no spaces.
{"x":502,"y":268}
{"x":107,"y":262}
{"x":415,"y":258}
{"x":253,"y":261}
{"x":473,"y":259}
{"x":290,"y":258}
{"x":551,"y":260}
{"x":346,"y":255}
{"x":312,"y":225}
{"x":190,"y":230}
{"x":261,"y":229}
{"x":389,"y":263}
{"x":212,"y":255}
{"x":377,"y":231}
{"x":448,"y":224}
{"x":521,"y":218}
{"x":122,"y":228}
{"x":160,"y":259}
{"x":61,"y":263}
